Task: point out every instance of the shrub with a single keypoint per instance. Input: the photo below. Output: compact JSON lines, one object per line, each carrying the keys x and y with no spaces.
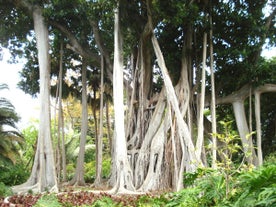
{"x":270,"y":159}
{"x":152,"y":201}
{"x":13,"y":174}
{"x":70,"y":170}
{"x":105,"y":202}
{"x":90,"y":170}
{"x":258,"y":187}
{"x":4,"y":190}
{"x":48,"y":200}
{"x":187,"y":197}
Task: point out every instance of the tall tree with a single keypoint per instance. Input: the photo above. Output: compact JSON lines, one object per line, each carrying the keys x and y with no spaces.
{"x":200,"y":126}
{"x":43,"y":174}
{"x":213,"y":96}
{"x":161,"y":52}
{"x":61,"y":133}
{"x":122,"y":168}
{"x":99,"y":140}
{"x":79,"y":172}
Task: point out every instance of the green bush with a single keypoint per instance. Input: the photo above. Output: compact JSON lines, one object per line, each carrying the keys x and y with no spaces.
{"x":210,"y":188}
{"x":12,"y":175}
{"x":90,"y":170}
{"x":187,"y":197}
{"x":149,"y":201}
{"x":48,"y":200}
{"x":270,"y":159}
{"x":257,"y":188}
{"x":4,"y":190}
{"x":191,"y":177}
{"x":70,"y":171}
{"x":105,"y":202}
{"x":231,"y":184}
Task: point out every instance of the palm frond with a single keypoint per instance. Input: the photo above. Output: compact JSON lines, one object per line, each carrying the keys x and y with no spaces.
{"x":3,"y":86}
{"x":10,"y":137}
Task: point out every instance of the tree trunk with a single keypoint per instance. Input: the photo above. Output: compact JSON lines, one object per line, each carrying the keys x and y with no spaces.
{"x":99,"y":151}
{"x":248,"y":147}
{"x":61,"y":118}
{"x":43,"y":176}
{"x":151,"y":160}
{"x":183,"y":129}
{"x":79,"y":173}
{"x":258,"y":92}
{"x":213,"y":100}
{"x":124,"y":179}
{"x":200,"y":124}
{"x":108,"y":125}
{"x":258,"y":127}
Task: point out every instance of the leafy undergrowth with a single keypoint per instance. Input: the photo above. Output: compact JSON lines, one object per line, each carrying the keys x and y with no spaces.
{"x":83,"y":199}
{"x":208,"y":188}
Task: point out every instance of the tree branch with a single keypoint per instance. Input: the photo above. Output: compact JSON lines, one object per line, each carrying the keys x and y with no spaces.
{"x":75,"y":45}
{"x":102,"y":47}
{"x":243,"y":93}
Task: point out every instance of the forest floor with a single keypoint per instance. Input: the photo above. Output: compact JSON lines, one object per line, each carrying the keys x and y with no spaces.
{"x":71,"y":196}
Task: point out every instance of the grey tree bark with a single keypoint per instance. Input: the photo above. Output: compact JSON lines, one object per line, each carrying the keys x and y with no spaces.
{"x":43,"y":176}
{"x":123,"y":172}
{"x":99,"y":151}
{"x":200,"y":124}
{"x":262,"y":89}
{"x":213,"y":100}
{"x":61,"y":133}
{"x":78,"y":178}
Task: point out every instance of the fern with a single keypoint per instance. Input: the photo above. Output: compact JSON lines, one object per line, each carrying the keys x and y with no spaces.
{"x":105,"y":202}
{"x":267,"y":197}
{"x":257,"y":188}
{"x":187,"y":197}
{"x":48,"y":200}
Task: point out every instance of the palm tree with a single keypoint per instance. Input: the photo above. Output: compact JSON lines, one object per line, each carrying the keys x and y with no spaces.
{"x":9,"y":136}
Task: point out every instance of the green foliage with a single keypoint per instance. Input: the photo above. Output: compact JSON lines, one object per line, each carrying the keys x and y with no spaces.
{"x":48,"y":200}
{"x":90,"y":169}
{"x":30,"y":134}
{"x":267,"y":197}
{"x":191,"y":177}
{"x":270,"y":159}
{"x":187,"y":197}
{"x":13,"y":174}
{"x":10,"y":138}
{"x":210,"y":188}
{"x":105,"y":202}
{"x":152,"y":201}
{"x":248,"y":189}
{"x":4,"y":190}
{"x":230,"y":153}
{"x":258,"y":187}
{"x":70,"y":170}
{"x":231,"y":184}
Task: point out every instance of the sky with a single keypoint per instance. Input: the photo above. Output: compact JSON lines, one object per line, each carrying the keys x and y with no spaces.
{"x":26,"y":106}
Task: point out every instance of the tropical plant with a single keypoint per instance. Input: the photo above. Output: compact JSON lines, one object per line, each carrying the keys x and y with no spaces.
{"x":12,"y":175}
{"x":30,"y":134}
{"x":105,"y":201}
{"x":4,"y":190}
{"x":152,"y":201}
{"x":10,"y":138}
{"x":48,"y":200}
{"x":257,"y":188}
